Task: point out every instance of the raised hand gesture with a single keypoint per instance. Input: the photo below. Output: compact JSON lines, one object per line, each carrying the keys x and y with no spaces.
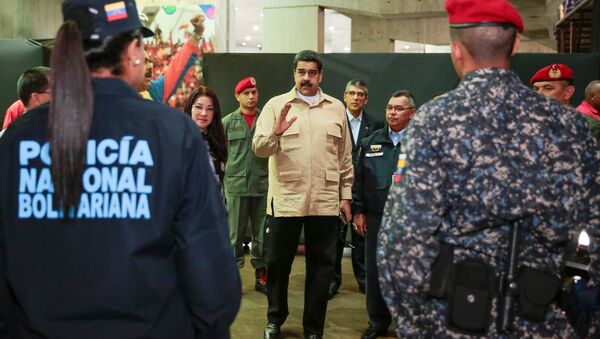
{"x":281,"y":123}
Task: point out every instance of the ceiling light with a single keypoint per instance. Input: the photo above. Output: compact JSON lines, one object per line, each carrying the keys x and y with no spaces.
{"x":346,"y":49}
{"x":406,"y":47}
{"x":235,"y":8}
{"x":258,"y":46}
{"x":248,"y":38}
{"x":243,"y":44}
{"x":256,"y":28}
{"x":332,"y":28}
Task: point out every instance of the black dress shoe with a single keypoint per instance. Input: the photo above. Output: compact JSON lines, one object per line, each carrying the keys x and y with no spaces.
{"x":372,"y":333}
{"x":333,"y":290}
{"x":313,"y":336}
{"x":272,"y":331}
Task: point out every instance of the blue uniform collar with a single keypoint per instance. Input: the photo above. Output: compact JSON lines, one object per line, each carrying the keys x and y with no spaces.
{"x":113,"y":86}
{"x":491,"y":75}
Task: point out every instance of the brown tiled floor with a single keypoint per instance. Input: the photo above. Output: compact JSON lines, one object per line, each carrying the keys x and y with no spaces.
{"x":346,"y":313}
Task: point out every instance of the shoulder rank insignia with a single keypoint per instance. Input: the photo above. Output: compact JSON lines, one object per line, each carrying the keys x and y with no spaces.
{"x":375,"y":148}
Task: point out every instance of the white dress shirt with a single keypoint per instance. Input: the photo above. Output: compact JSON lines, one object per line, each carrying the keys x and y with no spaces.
{"x":354,"y":124}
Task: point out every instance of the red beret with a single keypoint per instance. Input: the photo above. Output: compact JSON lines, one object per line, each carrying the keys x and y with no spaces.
{"x":552,"y":72}
{"x":470,"y":13}
{"x":245,"y":83}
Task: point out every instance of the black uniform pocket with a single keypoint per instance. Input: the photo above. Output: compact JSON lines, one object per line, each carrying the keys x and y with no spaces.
{"x":537,"y":290}
{"x":470,"y":297}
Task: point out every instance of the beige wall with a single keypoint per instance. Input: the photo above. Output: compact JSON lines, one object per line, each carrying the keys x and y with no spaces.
{"x":291,"y":25}
{"x":289,"y":30}
{"x":29,"y":19}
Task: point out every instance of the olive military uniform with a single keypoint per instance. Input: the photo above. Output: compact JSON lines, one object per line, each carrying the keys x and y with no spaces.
{"x":246,"y":183}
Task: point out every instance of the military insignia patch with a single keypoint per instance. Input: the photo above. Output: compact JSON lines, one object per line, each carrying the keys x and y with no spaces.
{"x":554,"y":72}
{"x":375,"y":148}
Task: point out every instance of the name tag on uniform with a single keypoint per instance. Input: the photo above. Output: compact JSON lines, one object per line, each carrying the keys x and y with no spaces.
{"x":375,"y":154}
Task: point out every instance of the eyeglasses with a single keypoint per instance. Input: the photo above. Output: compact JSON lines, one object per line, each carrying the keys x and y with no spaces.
{"x":358,"y":94}
{"x":311,"y":73}
{"x":390,"y":108}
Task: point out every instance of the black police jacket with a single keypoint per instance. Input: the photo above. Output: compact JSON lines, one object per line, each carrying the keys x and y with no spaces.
{"x":145,"y":254}
{"x":376,"y":163}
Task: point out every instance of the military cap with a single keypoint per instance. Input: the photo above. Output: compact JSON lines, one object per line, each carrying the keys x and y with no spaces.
{"x":553,"y":72}
{"x":99,"y":19}
{"x":471,"y":13}
{"x":245,"y":83}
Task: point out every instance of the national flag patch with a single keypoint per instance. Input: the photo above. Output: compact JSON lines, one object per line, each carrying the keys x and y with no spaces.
{"x":115,"y":11}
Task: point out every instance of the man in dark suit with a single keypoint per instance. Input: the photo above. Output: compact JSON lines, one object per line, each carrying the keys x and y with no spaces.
{"x":361,"y":124}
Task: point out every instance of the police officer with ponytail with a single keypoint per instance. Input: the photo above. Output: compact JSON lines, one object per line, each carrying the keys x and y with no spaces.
{"x":111,"y":224}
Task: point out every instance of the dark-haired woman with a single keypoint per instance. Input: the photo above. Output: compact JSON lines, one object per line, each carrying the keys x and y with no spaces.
{"x":113,"y":233}
{"x":203,"y":106}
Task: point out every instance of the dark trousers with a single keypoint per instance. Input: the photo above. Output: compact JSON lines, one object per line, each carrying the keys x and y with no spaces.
{"x":379,"y":315}
{"x":320,"y":234}
{"x":358,"y":259}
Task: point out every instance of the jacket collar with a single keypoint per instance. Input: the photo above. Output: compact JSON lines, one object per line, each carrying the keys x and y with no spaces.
{"x":382,"y":135}
{"x":113,"y":86}
{"x":291,"y":96}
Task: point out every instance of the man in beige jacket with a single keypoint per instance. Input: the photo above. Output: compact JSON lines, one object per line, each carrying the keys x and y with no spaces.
{"x":305,"y":135}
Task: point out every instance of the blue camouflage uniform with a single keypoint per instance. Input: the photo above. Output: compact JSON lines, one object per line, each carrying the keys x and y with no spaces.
{"x":488,"y":151}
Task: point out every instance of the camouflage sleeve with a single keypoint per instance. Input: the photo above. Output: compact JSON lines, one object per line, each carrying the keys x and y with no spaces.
{"x":413,"y":212}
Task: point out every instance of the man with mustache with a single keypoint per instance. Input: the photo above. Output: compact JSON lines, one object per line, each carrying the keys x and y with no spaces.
{"x":245,"y":181}
{"x":376,"y":162}
{"x":555,"y":82}
{"x":361,"y":125}
{"x":305,"y":135}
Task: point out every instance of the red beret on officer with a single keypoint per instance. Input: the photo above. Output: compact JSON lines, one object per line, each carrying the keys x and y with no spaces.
{"x":471,"y":13}
{"x":245,"y":83}
{"x":552,"y":72}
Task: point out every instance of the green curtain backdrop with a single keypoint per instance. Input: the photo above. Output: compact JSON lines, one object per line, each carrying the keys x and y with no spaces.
{"x":426,"y":75}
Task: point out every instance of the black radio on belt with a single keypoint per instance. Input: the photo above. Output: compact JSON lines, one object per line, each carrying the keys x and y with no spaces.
{"x":470,"y":285}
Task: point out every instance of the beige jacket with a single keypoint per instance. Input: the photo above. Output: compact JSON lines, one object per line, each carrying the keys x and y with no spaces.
{"x":310,"y":165}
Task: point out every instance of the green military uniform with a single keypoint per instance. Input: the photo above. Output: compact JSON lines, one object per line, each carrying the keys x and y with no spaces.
{"x":245,"y":183}
{"x":594,"y":126}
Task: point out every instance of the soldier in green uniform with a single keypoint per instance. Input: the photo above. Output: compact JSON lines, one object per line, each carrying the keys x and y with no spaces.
{"x":246,"y":180}
{"x":378,"y":157}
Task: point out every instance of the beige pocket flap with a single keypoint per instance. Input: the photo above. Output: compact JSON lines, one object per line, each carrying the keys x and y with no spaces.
{"x":332,"y":176}
{"x":293,"y":130}
{"x":290,"y":176}
{"x":334,"y":132}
